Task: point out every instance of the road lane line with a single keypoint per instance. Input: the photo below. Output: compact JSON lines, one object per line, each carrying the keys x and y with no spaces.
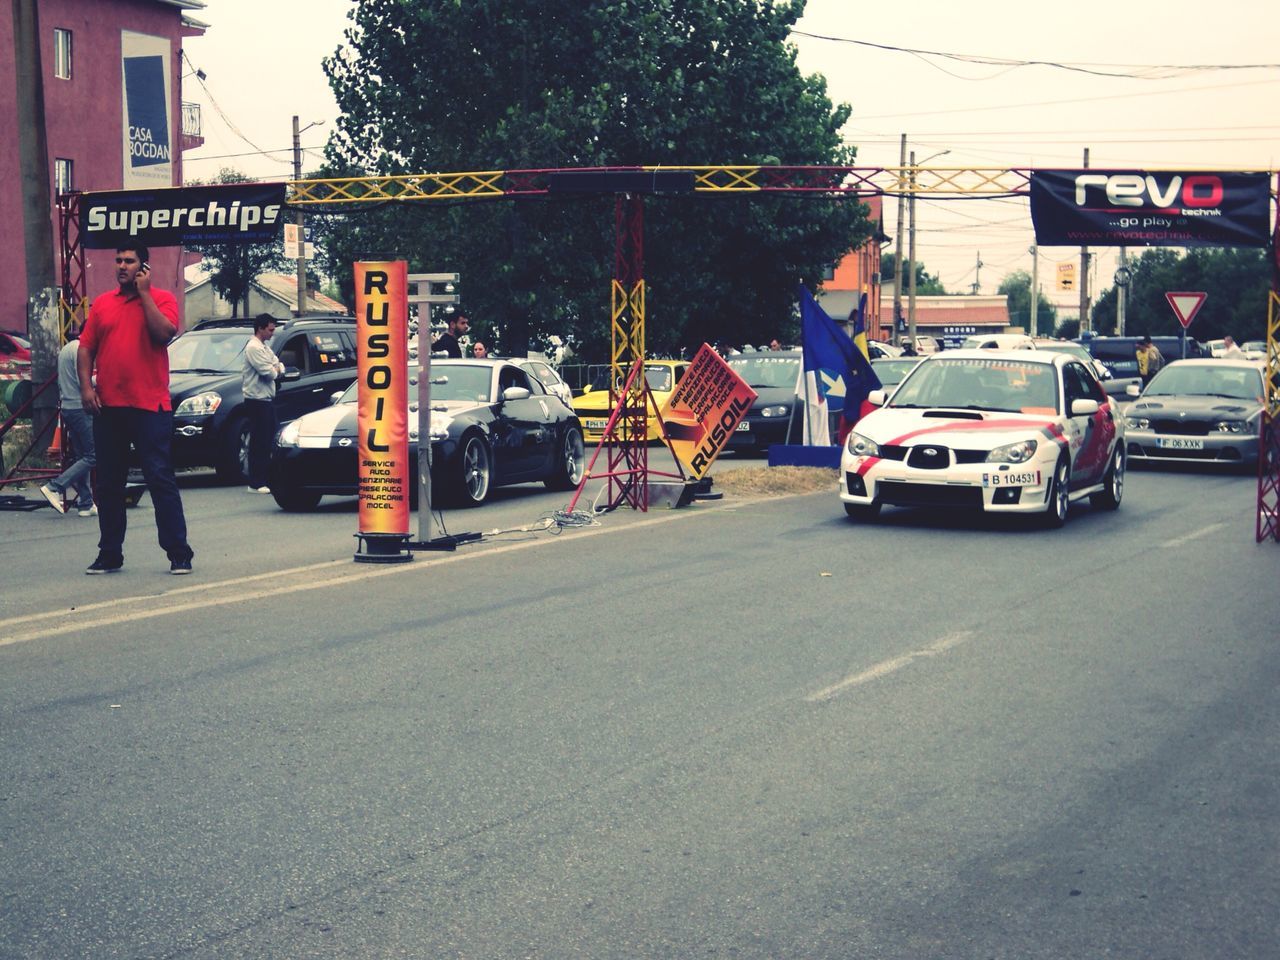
{"x":1194,"y":535}
{"x":886,"y":667}
{"x":76,"y":620}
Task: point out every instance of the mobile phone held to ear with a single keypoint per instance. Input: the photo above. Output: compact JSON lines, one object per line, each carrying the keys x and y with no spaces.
{"x":145,"y":266}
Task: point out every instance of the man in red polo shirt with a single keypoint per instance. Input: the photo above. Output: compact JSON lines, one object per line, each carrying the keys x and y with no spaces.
{"x":126,"y":339}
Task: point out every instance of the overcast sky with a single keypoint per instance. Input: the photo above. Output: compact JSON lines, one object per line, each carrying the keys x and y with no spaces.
{"x":1123,"y":91}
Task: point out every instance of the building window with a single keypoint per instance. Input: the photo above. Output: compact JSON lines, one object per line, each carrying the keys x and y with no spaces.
{"x":62,"y":181}
{"x":829,"y":273}
{"x":62,"y":53}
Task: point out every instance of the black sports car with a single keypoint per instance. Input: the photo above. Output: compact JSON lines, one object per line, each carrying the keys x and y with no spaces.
{"x":491,"y":425}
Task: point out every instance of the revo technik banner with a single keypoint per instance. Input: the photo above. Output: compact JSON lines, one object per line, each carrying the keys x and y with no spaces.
{"x":1152,"y":209}
{"x":382,"y":364}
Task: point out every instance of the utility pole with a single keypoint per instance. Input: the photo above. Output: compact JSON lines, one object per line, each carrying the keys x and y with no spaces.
{"x":1035,"y":288}
{"x":1122,"y":290}
{"x":911,"y":277}
{"x":897,"y":239}
{"x":298,"y":219}
{"x":1084,"y":273}
{"x":977,"y":273}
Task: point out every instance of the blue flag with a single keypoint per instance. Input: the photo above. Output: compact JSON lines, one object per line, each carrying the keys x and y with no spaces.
{"x":841,"y":374}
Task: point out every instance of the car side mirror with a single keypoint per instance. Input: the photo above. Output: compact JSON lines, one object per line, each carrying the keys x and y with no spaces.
{"x":1084,"y":408}
{"x":515,"y":393}
{"x":1133,"y":390}
{"x":335,"y":396}
{"x":291,"y":373}
{"x":876,"y":398}
{"x":588,"y":388}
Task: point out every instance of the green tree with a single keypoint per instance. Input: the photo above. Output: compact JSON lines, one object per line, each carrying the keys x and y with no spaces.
{"x":1016,"y":287}
{"x":232,"y":267}
{"x":927,"y":284}
{"x":1236,"y":281}
{"x":519,"y":84}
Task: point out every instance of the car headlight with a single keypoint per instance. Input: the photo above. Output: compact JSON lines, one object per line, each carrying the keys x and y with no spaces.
{"x":201,"y":405}
{"x":288,"y":435}
{"x":1019,"y":452}
{"x":781,"y":410}
{"x":1231,"y":426}
{"x":1137,"y":423}
{"x":439,"y":427}
{"x":861,"y":446}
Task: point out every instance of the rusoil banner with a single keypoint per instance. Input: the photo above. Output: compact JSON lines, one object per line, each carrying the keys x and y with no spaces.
{"x":1150,"y":209}
{"x":382,"y":352}
{"x":704,"y":410}
{"x":175,"y":216}
{"x":148,"y":130}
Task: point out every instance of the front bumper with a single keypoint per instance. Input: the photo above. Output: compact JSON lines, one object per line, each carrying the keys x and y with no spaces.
{"x":990,"y":487}
{"x":760,"y":433}
{"x":194,"y":442}
{"x":1225,"y":448}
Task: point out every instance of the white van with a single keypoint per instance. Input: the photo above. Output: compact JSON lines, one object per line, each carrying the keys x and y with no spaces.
{"x":998,"y":341}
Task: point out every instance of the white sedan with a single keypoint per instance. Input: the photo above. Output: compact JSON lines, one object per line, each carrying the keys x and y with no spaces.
{"x":1003,"y":431}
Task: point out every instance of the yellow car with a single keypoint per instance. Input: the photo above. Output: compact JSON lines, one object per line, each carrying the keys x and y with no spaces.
{"x":593,"y":408}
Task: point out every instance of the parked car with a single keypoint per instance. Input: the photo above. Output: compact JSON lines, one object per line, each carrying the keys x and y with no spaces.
{"x":1001,"y":431}
{"x":998,"y":341}
{"x":1119,"y":353}
{"x":879,"y":350}
{"x":773,"y":374}
{"x":893,"y":371}
{"x":210,"y":427}
{"x":1115,"y":386}
{"x":548,"y":377}
{"x":492,"y":424}
{"x":593,"y":407}
{"x":924,"y":344}
{"x":1205,"y":411}
{"x":1254,"y":349}
{"x":14,"y":347}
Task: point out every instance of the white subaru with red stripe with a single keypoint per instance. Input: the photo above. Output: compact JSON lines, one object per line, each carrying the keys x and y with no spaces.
{"x":1003,"y":431}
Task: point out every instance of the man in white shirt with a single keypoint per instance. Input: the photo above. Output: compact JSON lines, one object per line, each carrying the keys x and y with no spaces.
{"x":1230,"y":349}
{"x":258,"y":380}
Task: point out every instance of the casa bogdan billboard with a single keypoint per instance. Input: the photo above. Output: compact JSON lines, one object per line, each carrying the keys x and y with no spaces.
{"x":148,"y":123}
{"x":382,"y":395}
{"x":706,"y":407}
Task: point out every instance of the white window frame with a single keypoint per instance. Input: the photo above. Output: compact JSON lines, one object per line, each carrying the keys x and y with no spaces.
{"x":62,"y":51}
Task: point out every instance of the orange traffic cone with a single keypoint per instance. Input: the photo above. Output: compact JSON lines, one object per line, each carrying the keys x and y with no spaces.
{"x":55,"y":446}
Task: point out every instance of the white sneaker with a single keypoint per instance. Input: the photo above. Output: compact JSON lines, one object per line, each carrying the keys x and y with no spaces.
{"x":259,"y":489}
{"x":91,"y":512}
{"x":54,"y":498}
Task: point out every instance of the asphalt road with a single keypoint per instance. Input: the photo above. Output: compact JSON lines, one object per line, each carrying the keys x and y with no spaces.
{"x":740,"y":729}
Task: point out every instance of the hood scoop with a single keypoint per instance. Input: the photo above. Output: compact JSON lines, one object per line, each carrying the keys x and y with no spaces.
{"x":954,"y":414}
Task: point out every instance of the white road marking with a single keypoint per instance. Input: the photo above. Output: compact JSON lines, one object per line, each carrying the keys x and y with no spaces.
{"x":1193,"y":535}
{"x":170,"y":602}
{"x":886,"y":667}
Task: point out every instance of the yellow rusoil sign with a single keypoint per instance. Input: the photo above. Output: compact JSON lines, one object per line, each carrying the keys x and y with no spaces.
{"x":704,"y":410}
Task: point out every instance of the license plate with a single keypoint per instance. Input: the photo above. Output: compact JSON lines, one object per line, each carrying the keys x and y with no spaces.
{"x":597,"y":425}
{"x":743,"y":427}
{"x":1180,"y":443}
{"x":1028,"y":478}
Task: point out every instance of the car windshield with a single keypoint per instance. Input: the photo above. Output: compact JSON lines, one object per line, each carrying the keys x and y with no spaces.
{"x":1237,"y":383}
{"x":449,"y":382}
{"x":767,"y":371}
{"x":1009,"y":386}
{"x":214,"y":351}
{"x":659,"y":377}
{"x":892,"y":372}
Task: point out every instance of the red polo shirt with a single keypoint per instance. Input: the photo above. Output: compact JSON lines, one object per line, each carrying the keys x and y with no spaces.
{"x":132,"y":370}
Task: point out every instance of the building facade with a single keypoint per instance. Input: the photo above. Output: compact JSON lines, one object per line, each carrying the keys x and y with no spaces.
{"x":113,"y":118}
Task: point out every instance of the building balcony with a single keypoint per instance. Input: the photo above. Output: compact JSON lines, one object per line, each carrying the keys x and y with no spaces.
{"x":191,"y":129}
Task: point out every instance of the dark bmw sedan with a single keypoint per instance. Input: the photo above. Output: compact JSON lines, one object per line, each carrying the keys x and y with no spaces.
{"x":773,"y":375}
{"x":492,"y":424}
{"x":1203,"y":411}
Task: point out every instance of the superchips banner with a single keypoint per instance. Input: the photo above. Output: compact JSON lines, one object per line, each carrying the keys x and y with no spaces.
{"x":382,"y":395}
{"x":176,"y":216}
{"x":704,"y":410}
{"x":1137,"y":208}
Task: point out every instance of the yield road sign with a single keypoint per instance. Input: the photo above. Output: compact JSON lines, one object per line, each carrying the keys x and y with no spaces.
{"x":1186,"y":305}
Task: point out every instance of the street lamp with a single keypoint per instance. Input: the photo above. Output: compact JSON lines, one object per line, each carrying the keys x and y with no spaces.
{"x":911,"y":243}
{"x":297,"y":217}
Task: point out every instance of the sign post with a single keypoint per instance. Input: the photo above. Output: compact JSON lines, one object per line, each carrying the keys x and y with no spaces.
{"x":1186,"y":304}
{"x":382,"y":332}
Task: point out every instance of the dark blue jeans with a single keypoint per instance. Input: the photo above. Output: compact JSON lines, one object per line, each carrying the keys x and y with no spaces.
{"x":262,"y":432}
{"x":149,"y":432}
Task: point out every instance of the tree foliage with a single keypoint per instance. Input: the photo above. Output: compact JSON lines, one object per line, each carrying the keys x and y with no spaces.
{"x":1236,"y":280}
{"x":439,"y":85}
{"x":232,"y":267}
{"x":927,"y":284}
{"x":1016,"y":287}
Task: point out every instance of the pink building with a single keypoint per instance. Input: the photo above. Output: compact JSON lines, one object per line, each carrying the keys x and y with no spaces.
{"x":114,"y":119}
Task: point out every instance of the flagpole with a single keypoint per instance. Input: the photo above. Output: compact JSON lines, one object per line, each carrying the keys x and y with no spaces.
{"x":806,"y":436}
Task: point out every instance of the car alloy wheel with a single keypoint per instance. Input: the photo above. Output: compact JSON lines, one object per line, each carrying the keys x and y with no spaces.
{"x":475,"y":471}
{"x":570,"y":463}
{"x":1060,"y":496}
{"x":1112,"y":483}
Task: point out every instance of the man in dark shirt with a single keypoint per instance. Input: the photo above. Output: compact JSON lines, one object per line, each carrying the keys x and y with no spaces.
{"x":448,"y":342}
